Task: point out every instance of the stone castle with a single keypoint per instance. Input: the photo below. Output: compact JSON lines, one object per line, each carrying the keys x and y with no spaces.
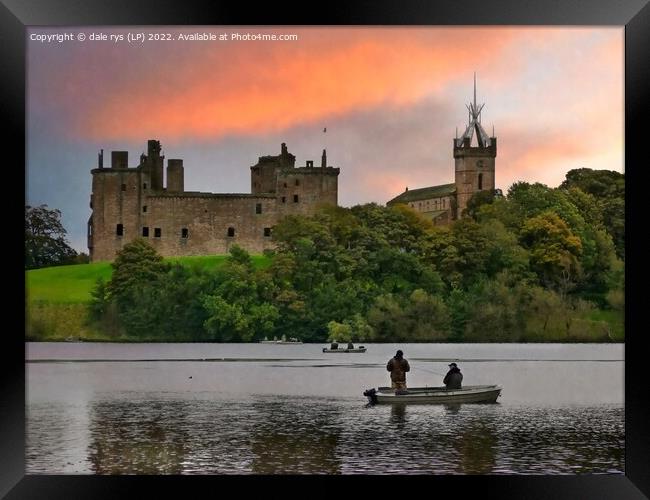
{"x":474,"y":154}
{"x":132,"y":202}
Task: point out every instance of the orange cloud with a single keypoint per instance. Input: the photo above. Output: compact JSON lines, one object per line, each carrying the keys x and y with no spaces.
{"x":256,"y":90}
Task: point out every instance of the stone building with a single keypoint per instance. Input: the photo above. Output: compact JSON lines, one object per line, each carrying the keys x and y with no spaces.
{"x":132,"y":202}
{"x":474,"y":154}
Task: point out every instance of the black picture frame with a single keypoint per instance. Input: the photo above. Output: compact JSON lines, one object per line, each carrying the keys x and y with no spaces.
{"x":16,"y":15}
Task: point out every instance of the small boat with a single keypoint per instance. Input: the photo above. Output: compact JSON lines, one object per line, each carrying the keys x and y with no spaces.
{"x":356,"y":349}
{"x":434,"y":395}
{"x":292,"y":340}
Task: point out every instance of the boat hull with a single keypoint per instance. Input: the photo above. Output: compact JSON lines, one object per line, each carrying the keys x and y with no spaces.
{"x":436,"y":395}
{"x":278,"y":342}
{"x":325,"y":349}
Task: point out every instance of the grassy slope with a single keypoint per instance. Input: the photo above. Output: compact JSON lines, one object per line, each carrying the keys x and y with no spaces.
{"x":72,"y":284}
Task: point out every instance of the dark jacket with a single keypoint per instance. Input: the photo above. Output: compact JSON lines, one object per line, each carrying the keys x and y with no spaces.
{"x":398,"y":368}
{"x":453,"y":378}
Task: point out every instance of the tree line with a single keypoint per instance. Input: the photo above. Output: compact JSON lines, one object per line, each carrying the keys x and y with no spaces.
{"x":534,"y":265}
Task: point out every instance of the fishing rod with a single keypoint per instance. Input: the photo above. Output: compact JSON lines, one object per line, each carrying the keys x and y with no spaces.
{"x":430,"y":371}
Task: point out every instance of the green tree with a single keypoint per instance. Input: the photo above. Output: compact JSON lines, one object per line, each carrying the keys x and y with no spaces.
{"x":608,"y":188}
{"x":476,"y":201}
{"x":239,"y":307}
{"x":554,"y":250}
{"x":137,"y":264}
{"x":45,"y":239}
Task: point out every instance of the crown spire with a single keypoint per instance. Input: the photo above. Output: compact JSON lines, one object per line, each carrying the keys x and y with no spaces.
{"x":474,"y":89}
{"x":474,"y":123}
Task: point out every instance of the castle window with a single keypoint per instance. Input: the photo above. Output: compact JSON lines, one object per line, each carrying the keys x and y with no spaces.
{"x":231,"y":232}
{"x":145,"y":231}
{"x":267,"y":231}
{"x":297,"y":182}
{"x":258,"y":208}
{"x":123,"y":187}
{"x":284,"y":199}
{"x":144,"y":186}
{"x":480,"y":181}
{"x":310,"y":163}
{"x":156,"y":232}
{"x":120,"y":230}
{"x":285,"y":184}
{"x":144,"y":209}
{"x":184,"y":232}
{"x":295,"y":198}
{"x":443,"y":203}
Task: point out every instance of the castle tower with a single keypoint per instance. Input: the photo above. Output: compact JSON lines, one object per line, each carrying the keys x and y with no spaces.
{"x":154,"y":164}
{"x":474,"y":154}
{"x":175,"y":176}
{"x":264,"y":174}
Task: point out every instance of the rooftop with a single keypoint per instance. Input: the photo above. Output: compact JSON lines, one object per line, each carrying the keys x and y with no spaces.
{"x":424,"y":193}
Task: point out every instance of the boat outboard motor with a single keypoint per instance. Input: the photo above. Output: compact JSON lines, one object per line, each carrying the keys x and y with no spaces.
{"x":371,"y":394}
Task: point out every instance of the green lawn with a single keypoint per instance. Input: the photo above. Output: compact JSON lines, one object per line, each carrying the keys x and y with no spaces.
{"x":72,"y":284}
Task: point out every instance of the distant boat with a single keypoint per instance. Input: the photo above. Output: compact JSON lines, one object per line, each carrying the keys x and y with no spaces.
{"x":435,"y":395}
{"x":355,"y":349}
{"x":284,"y":340}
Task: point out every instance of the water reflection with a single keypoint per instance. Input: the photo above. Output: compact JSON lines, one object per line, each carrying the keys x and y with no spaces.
{"x":398,"y":414}
{"x":290,"y":440}
{"x":477,"y":445}
{"x":306,"y":435}
{"x":131,"y":437}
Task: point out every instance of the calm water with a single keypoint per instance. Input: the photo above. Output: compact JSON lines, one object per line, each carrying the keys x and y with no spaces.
{"x":291,"y":409}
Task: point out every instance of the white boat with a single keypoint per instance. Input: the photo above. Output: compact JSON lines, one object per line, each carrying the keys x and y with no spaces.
{"x":292,"y":340}
{"x":355,"y":349}
{"x":434,"y":395}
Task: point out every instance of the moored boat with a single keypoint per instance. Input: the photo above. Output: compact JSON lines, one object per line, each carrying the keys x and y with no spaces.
{"x":356,"y":349}
{"x":435,"y":395}
{"x":292,"y":340}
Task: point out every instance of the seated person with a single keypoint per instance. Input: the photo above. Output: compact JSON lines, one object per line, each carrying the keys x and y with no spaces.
{"x":453,"y":379}
{"x":350,"y":345}
{"x":334,"y":346}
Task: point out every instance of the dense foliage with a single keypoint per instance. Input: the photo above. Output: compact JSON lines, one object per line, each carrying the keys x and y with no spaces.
{"x":538,"y":264}
{"x":45,"y":242}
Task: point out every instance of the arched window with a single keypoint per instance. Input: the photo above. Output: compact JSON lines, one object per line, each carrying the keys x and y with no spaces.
{"x":480,"y":181}
{"x":231,"y":231}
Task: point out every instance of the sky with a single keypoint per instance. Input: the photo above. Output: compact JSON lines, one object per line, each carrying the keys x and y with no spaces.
{"x":390,"y":98}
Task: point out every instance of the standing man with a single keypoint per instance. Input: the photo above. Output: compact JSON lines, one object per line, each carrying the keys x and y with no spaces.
{"x":398,"y":366}
{"x":454,"y":378}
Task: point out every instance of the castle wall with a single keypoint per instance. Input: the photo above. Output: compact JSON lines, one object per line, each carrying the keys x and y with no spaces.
{"x":431,"y":204}
{"x":115,"y":200}
{"x":312,"y":186}
{"x":206,"y":219}
{"x":178,"y":223}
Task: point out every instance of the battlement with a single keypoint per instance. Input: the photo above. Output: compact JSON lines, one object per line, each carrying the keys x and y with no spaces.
{"x":464,"y":149}
{"x":310,"y":171}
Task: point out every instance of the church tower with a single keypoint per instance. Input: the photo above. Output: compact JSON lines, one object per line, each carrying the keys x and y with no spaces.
{"x":474,"y":153}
